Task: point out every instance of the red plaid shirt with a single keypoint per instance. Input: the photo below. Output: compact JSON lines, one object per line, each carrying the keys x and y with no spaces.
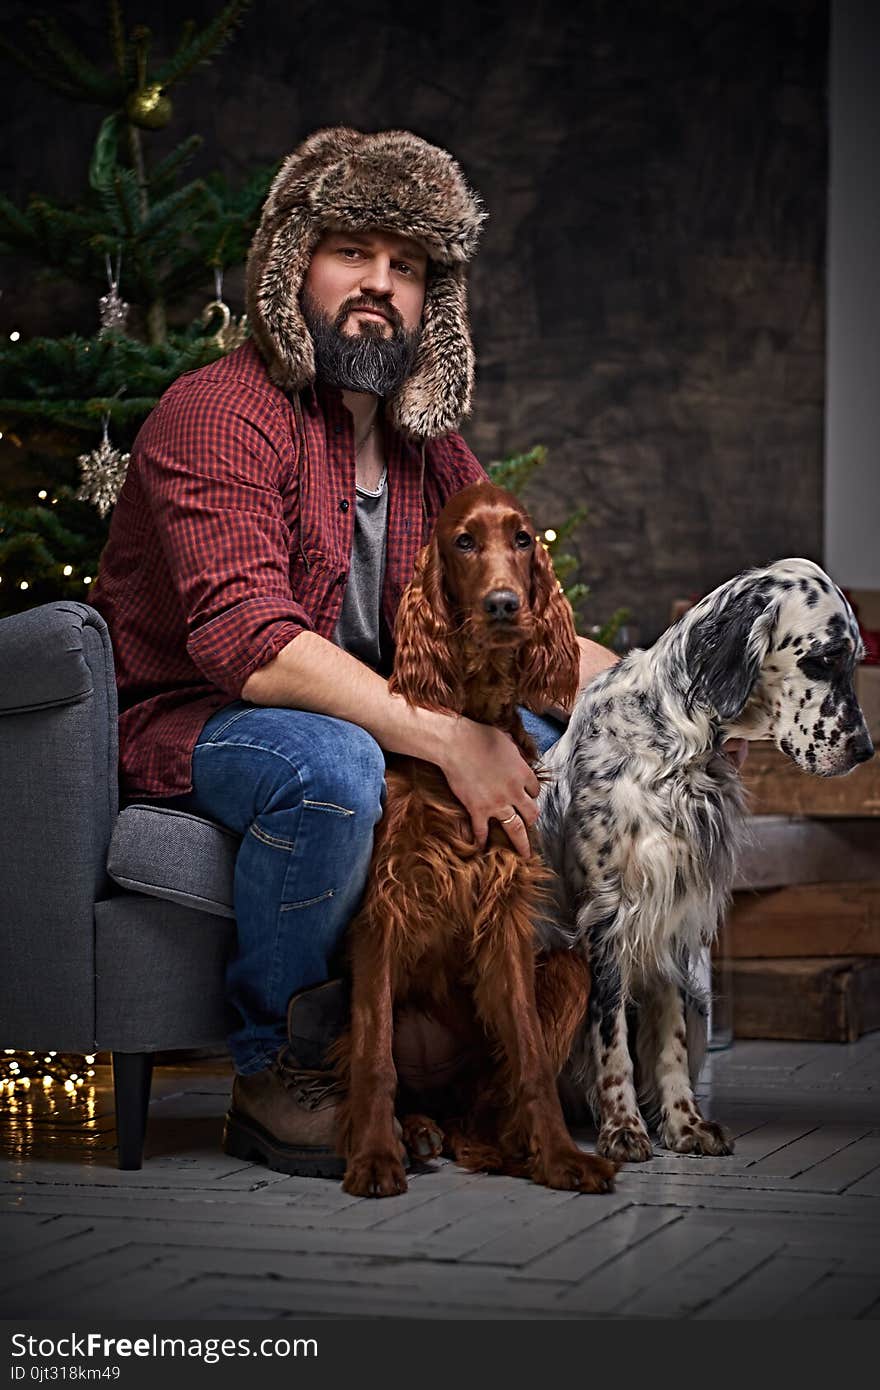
{"x":228,"y":539}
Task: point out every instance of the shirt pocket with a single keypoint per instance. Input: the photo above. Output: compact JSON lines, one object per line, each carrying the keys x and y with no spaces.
{"x":317,"y":584}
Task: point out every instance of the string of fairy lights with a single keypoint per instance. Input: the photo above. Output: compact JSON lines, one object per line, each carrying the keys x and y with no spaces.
{"x":20,"y":1071}
{"x":43,"y":496}
{"x":38,"y":1089}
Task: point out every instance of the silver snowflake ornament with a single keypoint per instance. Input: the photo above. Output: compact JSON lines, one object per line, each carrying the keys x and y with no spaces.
{"x":113,"y":311}
{"x":103,"y":473}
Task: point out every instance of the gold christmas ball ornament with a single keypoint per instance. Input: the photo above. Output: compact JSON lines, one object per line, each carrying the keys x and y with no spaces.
{"x":149,"y":107}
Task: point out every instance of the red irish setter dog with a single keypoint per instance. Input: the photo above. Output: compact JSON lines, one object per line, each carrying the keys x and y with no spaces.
{"x":446,"y":925}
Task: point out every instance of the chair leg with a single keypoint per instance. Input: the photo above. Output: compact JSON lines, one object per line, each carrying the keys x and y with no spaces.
{"x":132,"y":1074}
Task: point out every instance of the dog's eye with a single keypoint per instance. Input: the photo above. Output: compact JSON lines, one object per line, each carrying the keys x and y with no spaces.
{"x":821,"y":664}
{"x":523,"y":540}
{"x":465,"y":542}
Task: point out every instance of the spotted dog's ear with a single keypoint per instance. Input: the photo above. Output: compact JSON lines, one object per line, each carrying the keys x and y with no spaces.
{"x":726,"y":646}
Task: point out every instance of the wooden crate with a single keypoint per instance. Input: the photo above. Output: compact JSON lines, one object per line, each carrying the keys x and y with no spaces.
{"x":783,"y":850}
{"x":777,"y":787}
{"x":832,"y":1000}
{"x":818,"y":919}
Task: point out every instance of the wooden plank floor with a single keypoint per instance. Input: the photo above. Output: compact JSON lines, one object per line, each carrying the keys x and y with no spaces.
{"x":787,"y":1227}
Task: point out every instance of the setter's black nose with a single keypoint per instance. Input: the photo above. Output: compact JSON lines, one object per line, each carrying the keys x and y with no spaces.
{"x":501,"y":605}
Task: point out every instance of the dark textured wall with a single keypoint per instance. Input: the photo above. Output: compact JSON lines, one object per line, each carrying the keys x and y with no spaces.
{"x":649,"y":299}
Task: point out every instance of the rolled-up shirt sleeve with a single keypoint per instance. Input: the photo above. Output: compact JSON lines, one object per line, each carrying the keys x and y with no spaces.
{"x":213,"y":467}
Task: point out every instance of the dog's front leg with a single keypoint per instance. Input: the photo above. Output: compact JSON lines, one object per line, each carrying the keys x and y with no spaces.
{"x":682,"y":1127}
{"x":504,"y":994}
{"x":374,"y":1152}
{"x":622,"y":1133}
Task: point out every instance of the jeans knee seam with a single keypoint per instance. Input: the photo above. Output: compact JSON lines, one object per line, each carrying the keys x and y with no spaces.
{"x":253,"y":748}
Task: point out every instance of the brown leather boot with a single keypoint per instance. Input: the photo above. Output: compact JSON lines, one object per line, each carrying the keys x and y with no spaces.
{"x":284,"y":1117}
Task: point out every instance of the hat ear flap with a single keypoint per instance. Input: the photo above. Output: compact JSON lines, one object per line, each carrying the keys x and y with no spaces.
{"x":276,"y":269}
{"x":437,"y":392}
{"x":726,"y":648}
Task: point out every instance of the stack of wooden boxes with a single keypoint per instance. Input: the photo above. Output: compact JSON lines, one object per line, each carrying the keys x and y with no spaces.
{"x":802,"y":940}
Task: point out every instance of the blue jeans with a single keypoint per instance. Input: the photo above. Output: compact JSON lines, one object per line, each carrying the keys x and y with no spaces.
{"x":305,"y":792}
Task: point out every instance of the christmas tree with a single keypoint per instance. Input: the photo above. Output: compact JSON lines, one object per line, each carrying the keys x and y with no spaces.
{"x":144,"y":239}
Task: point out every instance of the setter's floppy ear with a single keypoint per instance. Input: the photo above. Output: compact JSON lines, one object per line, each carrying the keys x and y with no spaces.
{"x":424,"y":663}
{"x":550,"y":662}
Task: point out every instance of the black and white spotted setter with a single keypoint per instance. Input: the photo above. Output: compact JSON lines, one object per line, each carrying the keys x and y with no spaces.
{"x":644,"y":816}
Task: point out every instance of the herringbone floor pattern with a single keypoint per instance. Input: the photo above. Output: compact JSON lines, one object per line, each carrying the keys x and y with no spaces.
{"x":786,"y":1228}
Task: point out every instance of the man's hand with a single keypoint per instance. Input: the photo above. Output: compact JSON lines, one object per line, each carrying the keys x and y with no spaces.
{"x":492,"y":780}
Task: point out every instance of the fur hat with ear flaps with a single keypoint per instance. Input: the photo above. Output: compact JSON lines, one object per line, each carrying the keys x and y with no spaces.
{"x":341,"y":179}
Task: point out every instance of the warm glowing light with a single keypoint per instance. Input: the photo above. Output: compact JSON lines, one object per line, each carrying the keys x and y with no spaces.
{"x":88,"y":579}
{"x":47,"y":1081}
{"x":24,"y":584}
{"x":42,"y":494}
{"x":550,"y":535}
{"x":14,"y":337}
{"x":68,"y":569}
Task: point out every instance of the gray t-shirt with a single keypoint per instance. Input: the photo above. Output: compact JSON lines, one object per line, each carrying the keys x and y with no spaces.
{"x":359,"y":629}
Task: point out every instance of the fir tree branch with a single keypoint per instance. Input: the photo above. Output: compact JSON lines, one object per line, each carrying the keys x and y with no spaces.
{"x":141,"y":39}
{"x":163,"y":172}
{"x":91,"y":83}
{"x":117,"y":38}
{"x":173,"y":208}
{"x":15,"y":227}
{"x":38,"y":70}
{"x":610,"y":628}
{"x":571,"y":523}
{"x":202,"y":47}
{"x":127,"y":197}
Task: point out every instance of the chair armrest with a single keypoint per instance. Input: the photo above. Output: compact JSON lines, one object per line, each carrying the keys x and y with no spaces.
{"x":45,"y":655}
{"x":60,"y":796}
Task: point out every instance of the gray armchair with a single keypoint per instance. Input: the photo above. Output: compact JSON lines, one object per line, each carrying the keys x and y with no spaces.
{"x":114,"y":927}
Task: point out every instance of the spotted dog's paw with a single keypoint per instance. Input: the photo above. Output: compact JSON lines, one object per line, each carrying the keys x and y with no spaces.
{"x":625,"y":1143}
{"x":694,"y":1135}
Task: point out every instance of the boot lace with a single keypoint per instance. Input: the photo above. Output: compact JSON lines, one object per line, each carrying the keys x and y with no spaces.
{"x":310,"y":1089}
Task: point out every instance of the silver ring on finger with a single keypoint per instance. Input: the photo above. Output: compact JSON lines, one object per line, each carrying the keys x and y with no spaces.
{"x":509,"y":819}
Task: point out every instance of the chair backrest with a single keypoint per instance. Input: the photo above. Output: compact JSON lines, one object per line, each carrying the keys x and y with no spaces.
{"x":59,"y":798}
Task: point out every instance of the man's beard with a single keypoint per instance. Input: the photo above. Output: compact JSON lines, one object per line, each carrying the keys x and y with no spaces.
{"x":362,"y":361}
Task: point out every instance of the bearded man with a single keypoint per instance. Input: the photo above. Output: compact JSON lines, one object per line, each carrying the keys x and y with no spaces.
{"x":273,"y":508}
